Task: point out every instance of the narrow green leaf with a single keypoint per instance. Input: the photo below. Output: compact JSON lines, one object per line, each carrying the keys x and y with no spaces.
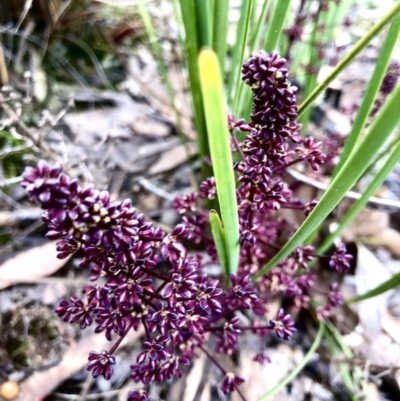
{"x":276,"y":25}
{"x":221,"y":155}
{"x":315,"y":61}
{"x":155,"y":45}
{"x":357,"y":206}
{"x":219,"y":240}
{"x":371,"y":92}
{"x":363,"y":112}
{"x":381,"y":128}
{"x":189,"y":21}
{"x":238,"y":50}
{"x":389,"y":284}
{"x":220,"y":32}
{"x":203,"y":23}
{"x":245,"y":96}
{"x":348,"y":58}
{"x":298,"y":368}
{"x":338,"y":347}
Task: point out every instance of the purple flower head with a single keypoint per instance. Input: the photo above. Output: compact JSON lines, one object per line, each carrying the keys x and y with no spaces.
{"x":208,"y":189}
{"x":340,"y":260}
{"x":283,"y":325}
{"x":335,"y":298}
{"x":76,"y":311}
{"x":262,"y":358}
{"x":101,"y":364}
{"x":138,"y":395}
{"x":311,"y":151}
{"x":241,"y":294}
{"x":229,"y":340}
{"x":154,"y":350}
{"x":230,"y":382}
{"x":303,"y":255}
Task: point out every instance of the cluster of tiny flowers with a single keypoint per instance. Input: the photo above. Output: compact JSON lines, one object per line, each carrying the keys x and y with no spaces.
{"x":144,"y":278}
{"x":178,"y":309}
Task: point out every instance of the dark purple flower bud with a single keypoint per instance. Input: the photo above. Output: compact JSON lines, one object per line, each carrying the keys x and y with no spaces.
{"x":101,"y":364}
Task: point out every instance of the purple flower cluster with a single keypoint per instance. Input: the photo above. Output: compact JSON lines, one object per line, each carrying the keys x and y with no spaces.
{"x":178,"y":310}
{"x":144,"y":278}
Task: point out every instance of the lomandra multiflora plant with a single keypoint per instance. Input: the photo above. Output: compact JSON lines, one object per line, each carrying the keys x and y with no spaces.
{"x":150,"y":281}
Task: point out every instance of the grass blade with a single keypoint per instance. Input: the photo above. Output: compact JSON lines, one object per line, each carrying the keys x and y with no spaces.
{"x":357,"y":206}
{"x":221,"y":155}
{"x":245,"y":95}
{"x":298,"y":368}
{"x":371,"y":92}
{"x":348,"y":58}
{"x":203,"y":23}
{"x":276,"y":25}
{"x":219,"y":240}
{"x":381,"y":128}
{"x":393,"y":282}
{"x":238,"y":51}
{"x":189,"y":21}
{"x":220,"y":32}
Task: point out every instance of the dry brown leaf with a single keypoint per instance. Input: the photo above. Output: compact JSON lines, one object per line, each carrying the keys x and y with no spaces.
{"x":370,"y":272}
{"x":41,"y":384}
{"x":194,"y":378}
{"x":262,"y":378}
{"x":35,"y":263}
{"x":389,"y":239}
{"x":383,"y":352}
{"x":391,"y":325}
{"x":113,"y":122}
{"x":366,"y":224}
{"x":173,"y":158}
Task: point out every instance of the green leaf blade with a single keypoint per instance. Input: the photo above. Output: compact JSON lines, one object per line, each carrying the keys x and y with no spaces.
{"x":276,"y":26}
{"x":381,"y":128}
{"x":221,"y":155}
{"x":371,"y":92}
{"x":219,"y":240}
{"x":348,"y":58}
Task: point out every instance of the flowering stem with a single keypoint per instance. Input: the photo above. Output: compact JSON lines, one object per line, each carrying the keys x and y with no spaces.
{"x":118,"y":342}
{"x":153,"y":294}
{"x":217,"y":364}
{"x":269,"y":327}
{"x":151,"y":272}
{"x":237,"y":146}
{"x":286,"y":165}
